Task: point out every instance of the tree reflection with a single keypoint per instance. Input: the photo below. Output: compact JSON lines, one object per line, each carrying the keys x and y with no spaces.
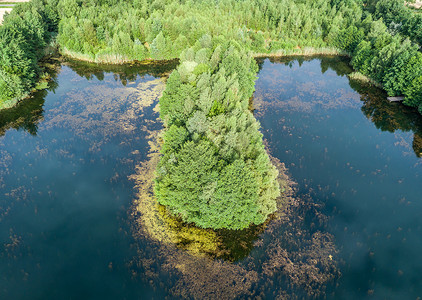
{"x":389,"y":116}
{"x":338,"y":64}
{"x":386,"y":116}
{"x":27,"y":114}
{"x":124,"y":73}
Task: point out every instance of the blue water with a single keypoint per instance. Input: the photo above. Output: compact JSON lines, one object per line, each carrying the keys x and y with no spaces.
{"x":65,"y":196}
{"x":367,"y":179}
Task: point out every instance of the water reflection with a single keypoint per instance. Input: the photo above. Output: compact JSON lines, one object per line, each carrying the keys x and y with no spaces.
{"x":27,"y":114}
{"x":291,"y":255}
{"x":123,"y":73}
{"x":229,"y":245}
{"x":390,"y":116}
{"x":339,"y":64}
{"x":66,"y":194}
{"x":386,"y":116}
{"x":351,"y":149}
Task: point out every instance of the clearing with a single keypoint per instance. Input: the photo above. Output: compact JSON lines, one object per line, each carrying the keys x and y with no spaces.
{"x":2,"y":12}
{"x":417,"y":4}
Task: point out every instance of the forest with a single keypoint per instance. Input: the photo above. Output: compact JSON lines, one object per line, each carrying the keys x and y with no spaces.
{"x":382,"y":37}
{"x":214,"y":170}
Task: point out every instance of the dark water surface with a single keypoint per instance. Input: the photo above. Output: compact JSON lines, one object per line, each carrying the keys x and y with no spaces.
{"x":66,"y":154}
{"x":359,"y":156}
{"x":64,"y":191}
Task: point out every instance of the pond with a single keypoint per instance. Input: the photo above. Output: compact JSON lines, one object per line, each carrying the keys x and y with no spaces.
{"x":75,"y":161}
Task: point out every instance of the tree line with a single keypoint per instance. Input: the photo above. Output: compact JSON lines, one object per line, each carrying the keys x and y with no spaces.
{"x":398,"y":17}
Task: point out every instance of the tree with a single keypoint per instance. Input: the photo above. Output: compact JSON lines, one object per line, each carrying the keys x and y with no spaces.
{"x":159,"y":47}
{"x":414,"y":94}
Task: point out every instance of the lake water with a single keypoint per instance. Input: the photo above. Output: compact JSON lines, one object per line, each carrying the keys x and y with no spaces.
{"x":68,"y":156}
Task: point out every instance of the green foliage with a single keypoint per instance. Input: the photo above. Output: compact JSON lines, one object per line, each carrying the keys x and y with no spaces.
{"x":216,"y":109}
{"x":385,"y":56}
{"x":166,"y":29}
{"x":414,"y":93}
{"x":398,"y":17}
{"x":362,"y":58}
{"x":396,"y":77}
{"x":23,"y":36}
{"x":349,"y":38}
{"x":159,"y":47}
{"x":214,"y":170}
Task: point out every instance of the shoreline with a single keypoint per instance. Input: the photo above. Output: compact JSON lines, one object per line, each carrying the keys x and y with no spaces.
{"x":121,"y":60}
{"x":108,"y":59}
{"x":305,"y":51}
{"x":364,"y":79}
{"x":116,"y":59}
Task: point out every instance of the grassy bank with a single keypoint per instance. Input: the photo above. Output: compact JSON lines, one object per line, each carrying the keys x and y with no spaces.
{"x":305,"y":51}
{"x":363,"y":78}
{"x":112,"y":59}
{"x":117,"y":59}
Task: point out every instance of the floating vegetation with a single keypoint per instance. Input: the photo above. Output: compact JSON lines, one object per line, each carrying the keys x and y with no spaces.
{"x":104,"y":111}
{"x":281,"y":258}
{"x":46,"y":182}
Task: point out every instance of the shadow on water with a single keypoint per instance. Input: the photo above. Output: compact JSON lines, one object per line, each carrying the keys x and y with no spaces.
{"x":24,"y":116}
{"x":338,"y":64}
{"x":229,"y":245}
{"x":64,"y":192}
{"x":293,"y":256}
{"x":351,"y":149}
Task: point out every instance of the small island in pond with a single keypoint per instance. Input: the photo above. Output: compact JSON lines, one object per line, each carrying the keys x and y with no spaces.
{"x":214,"y":171}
